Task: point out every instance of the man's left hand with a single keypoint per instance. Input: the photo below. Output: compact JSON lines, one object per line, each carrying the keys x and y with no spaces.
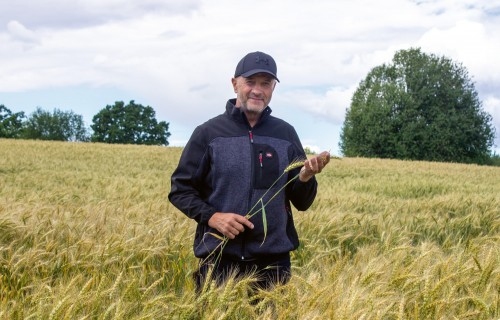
{"x":314,"y":166}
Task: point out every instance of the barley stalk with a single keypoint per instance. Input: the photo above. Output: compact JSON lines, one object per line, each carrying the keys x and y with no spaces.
{"x":410,"y":219}
{"x":54,"y":311}
{"x":250,"y":214}
{"x":152,"y":286}
{"x":293,"y":165}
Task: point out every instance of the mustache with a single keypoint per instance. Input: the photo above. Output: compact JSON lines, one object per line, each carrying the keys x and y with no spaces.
{"x":253,"y":96}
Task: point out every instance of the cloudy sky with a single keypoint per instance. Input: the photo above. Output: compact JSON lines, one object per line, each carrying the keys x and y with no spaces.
{"x":178,"y":56}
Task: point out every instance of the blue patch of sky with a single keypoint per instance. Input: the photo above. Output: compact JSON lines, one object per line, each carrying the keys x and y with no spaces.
{"x":83,"y":100}
{"x":317,"y":89}
{"x":494,"y":11}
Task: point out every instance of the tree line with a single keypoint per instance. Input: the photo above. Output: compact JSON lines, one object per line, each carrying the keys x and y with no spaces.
{"x":419,"y":107}
{"x":119,"y":123}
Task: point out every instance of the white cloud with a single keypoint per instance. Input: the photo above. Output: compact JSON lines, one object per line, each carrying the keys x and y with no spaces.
{"x":471,"y":43}
{"x":63,"y":14}
{"x":18,"y":32}
{"x":329,"y":104}
{"x":180,"y":54}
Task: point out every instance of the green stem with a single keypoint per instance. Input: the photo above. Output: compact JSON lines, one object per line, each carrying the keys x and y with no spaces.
{"x":249,"y":215}
{"x":274,"y":196}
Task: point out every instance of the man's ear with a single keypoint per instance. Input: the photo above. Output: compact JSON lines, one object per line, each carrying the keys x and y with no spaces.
{"x":233,"y":81}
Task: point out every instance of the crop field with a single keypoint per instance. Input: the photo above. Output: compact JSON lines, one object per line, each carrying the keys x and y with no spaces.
{"x":87,"y":232}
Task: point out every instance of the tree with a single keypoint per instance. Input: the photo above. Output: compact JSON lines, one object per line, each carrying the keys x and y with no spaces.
{"x":11,"y":124}
{"x":58,"y":125}
{"x":129,"y":124}
{"x":420,"y":107}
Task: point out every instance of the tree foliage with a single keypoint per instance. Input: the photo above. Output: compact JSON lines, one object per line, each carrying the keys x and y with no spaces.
{"x":11,"y":124}
{"x":58,"y":125}
{"x":129,"y":124}
{"x":420,"y":107}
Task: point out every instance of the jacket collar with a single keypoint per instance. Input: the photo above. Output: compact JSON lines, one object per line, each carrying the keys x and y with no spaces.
{"x":237,"y":115}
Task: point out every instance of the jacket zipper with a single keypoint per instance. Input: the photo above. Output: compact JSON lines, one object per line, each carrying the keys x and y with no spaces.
{"x":261,"y":162}
{"x":250,"y":136}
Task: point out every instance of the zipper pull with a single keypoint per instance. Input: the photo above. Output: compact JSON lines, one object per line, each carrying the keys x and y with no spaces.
{"x":260,"y":159}
{"x":251,"y":135}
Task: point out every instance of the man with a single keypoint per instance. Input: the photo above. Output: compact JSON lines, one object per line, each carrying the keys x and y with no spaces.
{"x":234,"y":163}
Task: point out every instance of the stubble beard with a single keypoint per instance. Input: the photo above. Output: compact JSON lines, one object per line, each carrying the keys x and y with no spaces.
{"x":252,"y":111}
{"x":254,"y":107}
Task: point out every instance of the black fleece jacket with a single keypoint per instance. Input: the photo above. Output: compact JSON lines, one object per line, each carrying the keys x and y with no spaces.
{"x":227,"y":166}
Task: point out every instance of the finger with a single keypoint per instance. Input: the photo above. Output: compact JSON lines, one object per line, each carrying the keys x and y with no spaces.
{"x":236,"y":225}
{"x":325,"y":156}
{"x":323,"y":160}
{"x":307,"y":167}
{"x":244,"y":221}
{"x":319,"y":165}
{"x":229,"y":234}
{"x":229,"y":231}
{"x":313,"y":165}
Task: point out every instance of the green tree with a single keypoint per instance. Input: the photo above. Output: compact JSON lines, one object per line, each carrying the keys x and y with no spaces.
{"x":58,"y":125}
{"x":420,"y":107}
{"x":11,"y":124}
{"x":129,"y":124}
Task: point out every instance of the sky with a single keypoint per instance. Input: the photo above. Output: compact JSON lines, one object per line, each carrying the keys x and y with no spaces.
{"x":178,"y":56}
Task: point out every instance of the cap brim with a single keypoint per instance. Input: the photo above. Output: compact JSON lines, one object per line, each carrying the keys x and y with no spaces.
{"x":255,"y":71}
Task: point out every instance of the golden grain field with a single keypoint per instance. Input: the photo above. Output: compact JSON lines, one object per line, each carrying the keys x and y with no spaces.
{"x":87,"y":232}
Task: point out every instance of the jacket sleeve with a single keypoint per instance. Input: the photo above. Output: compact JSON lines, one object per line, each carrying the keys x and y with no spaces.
{"x":301,"y":194}
{"x":190,"y":181}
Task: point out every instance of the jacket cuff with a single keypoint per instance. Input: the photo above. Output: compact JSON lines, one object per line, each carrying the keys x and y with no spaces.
{"x":205,"y":216}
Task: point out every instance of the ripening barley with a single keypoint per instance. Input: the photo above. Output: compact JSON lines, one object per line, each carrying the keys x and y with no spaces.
{"x":294,"y":165}
{"x":86,"y":229}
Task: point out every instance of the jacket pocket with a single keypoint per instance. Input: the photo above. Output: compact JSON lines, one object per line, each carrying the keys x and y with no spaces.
{"x":266,"y":166}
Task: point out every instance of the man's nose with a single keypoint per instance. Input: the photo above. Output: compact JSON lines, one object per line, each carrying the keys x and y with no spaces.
{"x":257,"y":89}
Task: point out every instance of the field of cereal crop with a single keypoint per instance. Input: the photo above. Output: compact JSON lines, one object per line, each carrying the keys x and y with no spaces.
{"x":87,"y":232}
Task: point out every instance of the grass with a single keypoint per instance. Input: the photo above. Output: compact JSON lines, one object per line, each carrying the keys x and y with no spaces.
{"x":87,"y":232}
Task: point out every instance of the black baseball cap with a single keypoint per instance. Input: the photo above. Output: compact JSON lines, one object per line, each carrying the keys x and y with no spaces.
{"x":256,"y":62}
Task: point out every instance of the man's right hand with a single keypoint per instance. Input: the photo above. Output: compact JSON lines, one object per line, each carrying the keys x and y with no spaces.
{"x":229,"y":224}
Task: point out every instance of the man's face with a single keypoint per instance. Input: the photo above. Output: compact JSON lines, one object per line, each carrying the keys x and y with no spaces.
{"x":254,"y":93}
